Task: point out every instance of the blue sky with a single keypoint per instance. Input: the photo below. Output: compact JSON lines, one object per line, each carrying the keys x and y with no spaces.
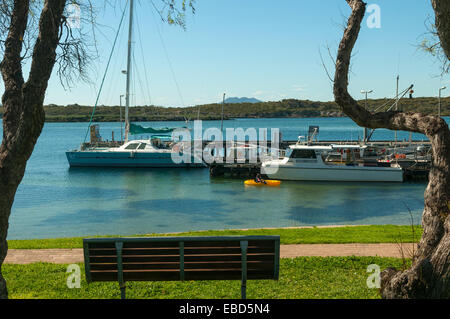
{"x":260,"y":48}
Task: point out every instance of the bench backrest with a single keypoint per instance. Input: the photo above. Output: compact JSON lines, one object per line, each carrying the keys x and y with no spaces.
{"x":181,"y":258}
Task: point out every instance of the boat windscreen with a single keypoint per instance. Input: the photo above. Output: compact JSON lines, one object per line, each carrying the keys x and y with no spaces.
{"x":132,"y":146}
{"x":303,"y":154}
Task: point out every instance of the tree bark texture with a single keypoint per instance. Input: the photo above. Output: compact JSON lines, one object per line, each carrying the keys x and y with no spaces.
{"x":429,"y":275}
{"x":442,"y":23}
{"x":23,"y":117}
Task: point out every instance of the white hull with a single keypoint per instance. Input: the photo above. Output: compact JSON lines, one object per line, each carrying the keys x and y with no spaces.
{"x":342,"y":174}
{"x":123,"y":159}
{"x":306,"y":163}
{"x":138,"y":153}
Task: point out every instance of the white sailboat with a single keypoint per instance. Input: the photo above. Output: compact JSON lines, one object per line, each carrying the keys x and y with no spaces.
{"x":154,"y":152}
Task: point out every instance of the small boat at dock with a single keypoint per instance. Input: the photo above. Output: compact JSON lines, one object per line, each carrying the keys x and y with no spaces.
{"x":311,"y":163}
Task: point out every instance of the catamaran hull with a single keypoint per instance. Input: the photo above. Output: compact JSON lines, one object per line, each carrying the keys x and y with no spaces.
{"x":126,"y":159}
{"x":342,"y":174}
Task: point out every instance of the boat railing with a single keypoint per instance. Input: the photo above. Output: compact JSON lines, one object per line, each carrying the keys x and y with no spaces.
{"x":100,"y":144}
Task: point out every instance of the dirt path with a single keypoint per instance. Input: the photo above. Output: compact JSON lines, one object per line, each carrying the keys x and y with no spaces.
{"x":70,"y":256}
{"x":329,"y":250}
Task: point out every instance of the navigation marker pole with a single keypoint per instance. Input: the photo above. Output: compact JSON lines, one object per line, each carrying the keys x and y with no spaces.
{"x":396,"y":105}
{"x":365,"y":137}
{"x":221,"y":125}
{"x":439,"y":107}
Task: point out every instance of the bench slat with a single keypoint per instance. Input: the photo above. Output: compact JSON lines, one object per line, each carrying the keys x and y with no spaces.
{"x":257,"y":243}
{"x":166,"y":244}
{"x":187,"y":258}
{"x":133,"y":252}
{"x":165,"y":250}
{"x":134,"y":244}
{"x":187,"y":266}
{"x":173,"y":275}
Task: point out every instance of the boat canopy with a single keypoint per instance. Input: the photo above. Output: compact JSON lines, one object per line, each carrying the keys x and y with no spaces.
{"x":338,"y":146}
{"x":311,"y":147}
{"x":138,"y":129}
{"x":162,"y":137}
{"x":326,"y":147}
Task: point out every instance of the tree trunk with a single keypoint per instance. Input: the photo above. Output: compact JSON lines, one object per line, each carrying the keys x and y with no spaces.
{"x":23,"y":116}
{"x":442,"y":23}
{"x":429,"y":275}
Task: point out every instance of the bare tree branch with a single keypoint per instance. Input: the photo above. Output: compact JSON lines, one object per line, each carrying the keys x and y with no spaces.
{"x":173,"y":12}
{"x":11,"y":67}
{"x":431,"y":44}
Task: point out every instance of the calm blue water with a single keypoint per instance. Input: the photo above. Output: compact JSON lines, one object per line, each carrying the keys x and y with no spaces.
{"x":55,"y":201}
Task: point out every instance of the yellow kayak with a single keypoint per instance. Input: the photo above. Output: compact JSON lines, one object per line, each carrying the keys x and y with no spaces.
{"x":269,"y":182}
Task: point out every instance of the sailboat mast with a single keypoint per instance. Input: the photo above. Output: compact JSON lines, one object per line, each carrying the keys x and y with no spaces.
{"x":130,"y":47}
{"x":396,"y":104}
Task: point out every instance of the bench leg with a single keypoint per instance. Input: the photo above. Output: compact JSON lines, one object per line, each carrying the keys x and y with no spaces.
{"x":244,"y":246}
{"x":122,"y":293}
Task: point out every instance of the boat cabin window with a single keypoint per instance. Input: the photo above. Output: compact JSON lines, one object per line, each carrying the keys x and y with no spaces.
{"x":156,"y":142}
{"x":142,"y":146}
{"x":303,"y":154}
{"x":132,"y":146}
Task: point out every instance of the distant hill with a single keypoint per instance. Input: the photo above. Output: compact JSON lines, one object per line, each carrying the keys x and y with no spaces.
{"x":242,"y":100}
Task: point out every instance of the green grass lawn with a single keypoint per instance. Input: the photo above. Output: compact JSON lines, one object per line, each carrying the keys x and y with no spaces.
{"x":303,"y":277}
{"x":335,"y":235}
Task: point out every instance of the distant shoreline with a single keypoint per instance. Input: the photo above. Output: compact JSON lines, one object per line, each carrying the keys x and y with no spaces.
{"x":290,"y":108}
{"x":191,"y":120}
{"x":203,"y":119}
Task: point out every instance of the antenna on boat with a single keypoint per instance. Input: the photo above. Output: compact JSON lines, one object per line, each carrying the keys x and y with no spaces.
{"x":128,"y":71}
{"x":365,"y":139}
{"x":396,"y":104}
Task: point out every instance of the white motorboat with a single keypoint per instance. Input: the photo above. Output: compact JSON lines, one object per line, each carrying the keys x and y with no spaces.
{"x":310,"y":163}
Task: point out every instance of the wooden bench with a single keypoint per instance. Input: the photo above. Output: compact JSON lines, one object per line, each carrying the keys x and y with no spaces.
{"x":182,"y":258}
